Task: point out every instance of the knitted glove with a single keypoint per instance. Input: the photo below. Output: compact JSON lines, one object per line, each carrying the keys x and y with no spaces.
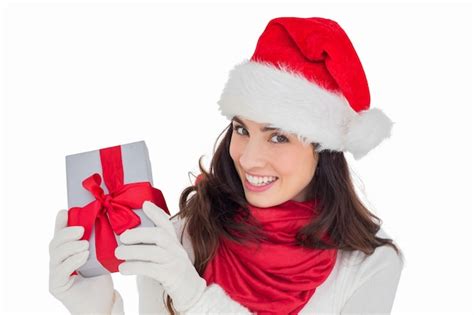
{"x":78,"y":294}
{"x":161,"y":257}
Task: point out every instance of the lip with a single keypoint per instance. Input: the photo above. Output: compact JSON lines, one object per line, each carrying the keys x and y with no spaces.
{"x":253,"y":188}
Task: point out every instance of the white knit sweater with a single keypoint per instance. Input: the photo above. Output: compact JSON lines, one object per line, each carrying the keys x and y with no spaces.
{"x":358,"y":284}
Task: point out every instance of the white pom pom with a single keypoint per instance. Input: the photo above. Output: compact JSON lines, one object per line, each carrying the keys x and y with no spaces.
{"x":366,"y":131}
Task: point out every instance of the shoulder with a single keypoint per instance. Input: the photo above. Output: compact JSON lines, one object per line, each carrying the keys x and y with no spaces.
{"x":369,"y":282}
{"x":386,"y":256}
{"x":179,"y":225}
{"x":383,"y":259}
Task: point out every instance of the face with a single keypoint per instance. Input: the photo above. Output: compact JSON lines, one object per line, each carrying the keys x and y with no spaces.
{"x":272,"y":154}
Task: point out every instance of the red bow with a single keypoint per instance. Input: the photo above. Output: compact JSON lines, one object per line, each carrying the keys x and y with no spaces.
{"x":112,"y":213}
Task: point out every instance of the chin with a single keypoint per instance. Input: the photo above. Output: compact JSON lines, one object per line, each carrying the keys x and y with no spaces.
{"x":262,"y":202}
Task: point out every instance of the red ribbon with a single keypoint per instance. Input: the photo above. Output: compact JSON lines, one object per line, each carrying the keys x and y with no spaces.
{"x":112,"y":213}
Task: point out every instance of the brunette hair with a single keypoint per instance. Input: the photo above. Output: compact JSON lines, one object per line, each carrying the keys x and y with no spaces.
{"x":219,"y":196}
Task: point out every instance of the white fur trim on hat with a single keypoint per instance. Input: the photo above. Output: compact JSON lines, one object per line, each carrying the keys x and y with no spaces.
{"x":285,"y":99}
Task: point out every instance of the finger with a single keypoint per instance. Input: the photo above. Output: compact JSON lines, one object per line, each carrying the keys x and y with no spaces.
{"x":158,"y":216}
{"x":59,"y":289}
{"x":162,"y":273}
{"x":150,"y":253}
{"x":147,"y":235}
{"x":66,"y":250}
{"x":61,"y":220}
{"x":61,"y":273}
{"x":65,"y":235}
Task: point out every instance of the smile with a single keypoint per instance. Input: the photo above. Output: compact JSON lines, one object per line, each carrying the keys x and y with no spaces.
{"x":254,"y":188}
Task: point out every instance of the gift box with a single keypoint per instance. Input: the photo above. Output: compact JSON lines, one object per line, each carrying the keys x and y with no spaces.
{"x":106,"y":189}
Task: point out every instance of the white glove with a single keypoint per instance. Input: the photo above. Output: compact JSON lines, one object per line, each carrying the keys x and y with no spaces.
{"x":67,"y":253}
{"x":162,"y":258}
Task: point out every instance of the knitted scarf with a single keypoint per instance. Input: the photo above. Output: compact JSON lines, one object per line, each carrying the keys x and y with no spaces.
{"x":277,"y":276}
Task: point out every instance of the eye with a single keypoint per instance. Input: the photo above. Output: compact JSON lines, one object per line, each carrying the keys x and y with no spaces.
{"x":285,"y":139}
{"x":282,"y":138}
{"x":236,"y":128}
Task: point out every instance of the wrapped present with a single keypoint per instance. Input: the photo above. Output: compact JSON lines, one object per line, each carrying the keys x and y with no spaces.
{"x":106,"y":189}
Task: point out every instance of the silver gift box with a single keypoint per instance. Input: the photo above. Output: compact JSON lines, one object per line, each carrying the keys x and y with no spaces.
{"x":136,"y":168}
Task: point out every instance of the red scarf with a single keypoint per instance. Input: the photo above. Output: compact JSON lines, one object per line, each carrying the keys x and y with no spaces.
{"x":278,"y":277}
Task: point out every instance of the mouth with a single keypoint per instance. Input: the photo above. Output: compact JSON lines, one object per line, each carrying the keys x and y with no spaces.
{"x":258,"y":188}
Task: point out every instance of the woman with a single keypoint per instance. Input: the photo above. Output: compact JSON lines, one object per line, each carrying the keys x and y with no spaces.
{"x":275,"y":226}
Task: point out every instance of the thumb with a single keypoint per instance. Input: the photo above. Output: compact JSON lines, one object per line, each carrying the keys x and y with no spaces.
{"x":158,"y":216}
{"x":61,"y":220}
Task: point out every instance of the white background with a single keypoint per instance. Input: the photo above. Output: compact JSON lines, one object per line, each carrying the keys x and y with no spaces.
{"x":79,"y":77}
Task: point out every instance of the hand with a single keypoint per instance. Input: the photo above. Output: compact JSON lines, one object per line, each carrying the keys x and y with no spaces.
{"x":68,"y":253}
{"x":162,"y":258}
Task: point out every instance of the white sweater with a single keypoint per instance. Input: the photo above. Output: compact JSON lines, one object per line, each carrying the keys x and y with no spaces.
{"x":358,"y":284}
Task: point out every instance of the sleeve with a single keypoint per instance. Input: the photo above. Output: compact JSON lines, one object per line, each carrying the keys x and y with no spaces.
{"x":151,"y":296}
{"x":377,"y":293}
{"x":151,"y":293}
{"x":117,"y":307}
{"x":215,"y":300}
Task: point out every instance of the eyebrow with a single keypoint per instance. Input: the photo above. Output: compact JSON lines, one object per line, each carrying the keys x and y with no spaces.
{"x":263,"y":129}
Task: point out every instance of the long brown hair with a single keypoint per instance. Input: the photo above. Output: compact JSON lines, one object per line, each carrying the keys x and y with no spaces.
{"x":219,"y":196}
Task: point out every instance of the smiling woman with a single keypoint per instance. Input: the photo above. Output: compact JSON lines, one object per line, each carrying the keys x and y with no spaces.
{"x":275,"y":225}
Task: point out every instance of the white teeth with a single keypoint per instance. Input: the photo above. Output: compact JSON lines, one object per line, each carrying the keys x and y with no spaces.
{"x":260,"y":180}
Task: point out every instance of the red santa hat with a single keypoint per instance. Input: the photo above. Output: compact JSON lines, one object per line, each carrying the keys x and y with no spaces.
{"x":305,"y":78}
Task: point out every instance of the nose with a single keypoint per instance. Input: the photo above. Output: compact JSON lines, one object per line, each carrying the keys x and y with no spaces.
{"x":253,"y":156}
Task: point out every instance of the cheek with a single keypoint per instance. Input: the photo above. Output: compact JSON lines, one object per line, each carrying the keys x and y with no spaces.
{"x":285,"y":164}
{"x":295,"y":167}
{"x":235,"y":149}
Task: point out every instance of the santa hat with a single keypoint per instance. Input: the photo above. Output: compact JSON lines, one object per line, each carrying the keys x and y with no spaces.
{"x":305,"y":78}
